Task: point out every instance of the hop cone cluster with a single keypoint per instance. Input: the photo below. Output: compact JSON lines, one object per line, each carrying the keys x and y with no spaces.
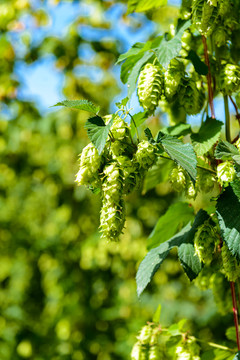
{"x":147,"y":345}
{"x":229,"y":79}
{"x":204,"y":242}
{"x":188,"y":350}
{"x":117,"y":172}
{"x":177,"y":179}
{"x":150,"y":86}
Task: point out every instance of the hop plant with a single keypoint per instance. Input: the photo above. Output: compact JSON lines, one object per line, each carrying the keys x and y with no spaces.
{"x":204,"y":242}
{"x":139,"y":352}
{"x":203,"y":279}
{"x":154,"y":353}
{"x":190,"y":191}
{"x":229,"y":79}
{"x":122,"y":138}
{"x":225,"y":6}
{"x":112,"y":219}
{"x":188,"y":350}
{"x":190,"y":97}
{"x":112,"y":186}
{"x":145,"y":334}
{"x":145,"y":155}
{"x":206,"y":181}
{"x":130,"y":173}
{"x":225,"y":172}
{"x":150,"y":86}
{"x":90,"y":162}
{"x":173,"y":77}
{"x":230,"y":265}
{"x":177,"y":179}
{"x":204,"y":15}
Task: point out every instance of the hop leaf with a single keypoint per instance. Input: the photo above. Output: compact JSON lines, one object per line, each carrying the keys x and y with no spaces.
{"x":150,"y":86}
{"x":204,"y":242}
{"x":229,"y":79}
{"x":231,"y":268}
{"x":225,"y":172}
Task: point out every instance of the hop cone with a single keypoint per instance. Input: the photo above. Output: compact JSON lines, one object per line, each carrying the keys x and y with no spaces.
{"x":90,"y":162}
{"x":203,"y":279}
{"x":230,"y":265}
{"x":185,"y":10}
{"x":224,"y":7}
{"x":145,"y":335}
{"x":145,"y":155}
{"x":206,"y":181}
{"x":220,"y":36}
{"x":173,"y":77}
{"x":130,"y":172}
{"x":221,"y":292}
{"x":204,"y":15}
{"x":229,"y":79}
{"x":191,"y":191}
{"x":139,"y":352}
{"x":122,"y":137}
{"x":177,"y":179}
{"x":191,"y":98}
{"x":204,"y":242}
{"x":225,"y":172}
{"x":112,"y":217}
{"x":150,"y":86}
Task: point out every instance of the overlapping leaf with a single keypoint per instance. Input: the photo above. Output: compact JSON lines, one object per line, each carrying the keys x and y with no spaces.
{"x":225,"y":150}
{"x":144,"y":5}
{"x":228,"y":212}
{"x":98,"y":131}
{"x":156,"y":256}
{"x":207,"y":136}
{"x":80,"y":105}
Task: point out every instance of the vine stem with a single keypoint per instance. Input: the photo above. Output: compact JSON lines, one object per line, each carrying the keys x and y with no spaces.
{"x":209,"y":77}
{"x":235,"y":312}
{"x":227,"y":119}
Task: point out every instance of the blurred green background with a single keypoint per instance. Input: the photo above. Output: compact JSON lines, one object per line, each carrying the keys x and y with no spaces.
{"x":65,"y":293}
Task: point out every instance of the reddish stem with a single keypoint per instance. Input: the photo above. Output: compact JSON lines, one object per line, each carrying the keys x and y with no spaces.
{"x":209,"y":77}
{"x":235,"y":312}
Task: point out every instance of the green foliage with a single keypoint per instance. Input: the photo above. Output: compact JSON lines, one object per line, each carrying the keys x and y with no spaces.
{"x":80,"y":105}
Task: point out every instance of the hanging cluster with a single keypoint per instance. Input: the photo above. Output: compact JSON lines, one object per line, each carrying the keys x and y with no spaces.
{"x":118,"y":171}
{"x":147,"y":347}
{"x":229,"y":79}
{"x":190,"y":97}
{"x":204,"y":15}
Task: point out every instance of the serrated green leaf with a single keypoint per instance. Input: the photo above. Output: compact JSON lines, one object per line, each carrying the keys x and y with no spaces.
{"x":207,"y":136}
{"x":237,"y":356}
{"x":127,"y":67}
{"x":134,"y":50}
{"x":180,"y":129}
{"x":122,"y":103}
{"x":156,"y":174}
{"x":132,"y":79}
{"x":167,"y":225}
{"x":182,"y":154}
{"x":173,"y":330}
{"x":231,"y":333}
{"x":235,"y":184}
{"x":156,"y":256}
{"x":98,"y":131}
{"x":189,"y":261}
{"x":168,"y":50}
{"x":217,"y":354}
{"x":225,"y":150}
{"x":157,"y":314}
{"x":200,"y":67}
{"x":137,"y":120}
{"x":148,"y":135}
{"x":228,"y":212}
{"x":144,"y":5}
{"x":80,"y":105}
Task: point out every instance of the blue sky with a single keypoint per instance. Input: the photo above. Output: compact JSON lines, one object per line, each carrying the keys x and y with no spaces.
{"x":42,"y":82}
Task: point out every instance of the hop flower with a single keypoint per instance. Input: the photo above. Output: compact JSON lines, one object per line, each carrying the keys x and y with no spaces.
{"x":224,"y":7}
{"x":122,"y":138}
{"x":154,"y":353}
{"x":221,"y":292}
{"x":177,"y":179}
{"x":130,"y":172}
{"x":145,"y":155}
{"x":191,"y":191}
{"x":173,"y":77}
{"x":145,"y":335}
{"x":203,"y":279}
{"x":191,"y":98}
{"x":229,"y":79}
{"x":231,"y":268}
{"x":112,"y":219}
{"x":204,"y":15}
{"x":206,"y":181}
{"x":139,"y":352}
{"x":225,"y":172}
{"x":204,"y":242}
{"x":188,"y":350}
{"x":112,"y":186}
{"x":150,"y":86}
{"x":90,"y":162}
